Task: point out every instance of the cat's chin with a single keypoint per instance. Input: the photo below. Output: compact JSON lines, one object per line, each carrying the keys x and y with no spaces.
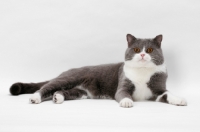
{"x":143,"y":61}
{"x":140,"y":64}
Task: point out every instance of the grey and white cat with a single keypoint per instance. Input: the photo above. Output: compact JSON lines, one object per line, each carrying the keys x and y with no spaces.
{"x":142,"y":76}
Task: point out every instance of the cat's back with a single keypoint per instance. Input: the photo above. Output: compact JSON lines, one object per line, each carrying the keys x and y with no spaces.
{"x":98,"y":70}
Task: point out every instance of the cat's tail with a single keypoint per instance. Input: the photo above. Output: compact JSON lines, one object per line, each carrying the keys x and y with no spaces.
{"x":23,"y":88}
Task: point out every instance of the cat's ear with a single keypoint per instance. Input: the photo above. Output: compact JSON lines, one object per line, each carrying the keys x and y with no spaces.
{"x":130,"y":39}
{"x":158,"y":40}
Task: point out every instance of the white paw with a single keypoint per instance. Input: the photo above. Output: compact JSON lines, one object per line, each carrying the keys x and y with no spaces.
{"x":126,"y":103}
{"x":58,"y":98}
{"x":84,"y":97}
{"x":35,"y":98}
{"x":176,"y":101}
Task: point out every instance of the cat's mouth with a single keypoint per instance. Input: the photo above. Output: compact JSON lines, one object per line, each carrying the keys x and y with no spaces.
{"x":142,"y":60}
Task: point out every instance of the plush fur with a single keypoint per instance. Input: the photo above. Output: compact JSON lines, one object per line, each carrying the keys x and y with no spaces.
{"x":142,"y":76}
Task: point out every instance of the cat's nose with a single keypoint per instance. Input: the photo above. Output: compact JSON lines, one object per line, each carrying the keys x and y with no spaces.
{"x":142,"y":55}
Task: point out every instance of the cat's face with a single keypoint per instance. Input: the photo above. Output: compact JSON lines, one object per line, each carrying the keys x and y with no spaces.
{"x":144,"y":52}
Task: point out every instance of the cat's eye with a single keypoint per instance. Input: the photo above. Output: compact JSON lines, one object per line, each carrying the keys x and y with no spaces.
{"x":149,"y":50}
{"x":137,"y":50}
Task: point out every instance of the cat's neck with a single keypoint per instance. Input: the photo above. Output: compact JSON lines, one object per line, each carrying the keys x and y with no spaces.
{"x":153,"y":68}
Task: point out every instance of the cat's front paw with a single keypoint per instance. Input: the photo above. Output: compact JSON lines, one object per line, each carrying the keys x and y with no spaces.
{"x":177,"y":101}
{"x":58,"y":98}
{"x":126,"y":103}
{"x":35,"y":98}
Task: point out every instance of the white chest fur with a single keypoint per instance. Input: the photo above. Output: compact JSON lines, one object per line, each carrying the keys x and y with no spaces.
{"x":140,"y":77}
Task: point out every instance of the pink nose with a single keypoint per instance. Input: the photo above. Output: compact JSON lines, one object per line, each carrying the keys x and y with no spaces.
{"x":142,"y":55}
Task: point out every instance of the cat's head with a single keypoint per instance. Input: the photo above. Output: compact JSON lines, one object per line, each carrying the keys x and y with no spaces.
{"x":143,"y":52}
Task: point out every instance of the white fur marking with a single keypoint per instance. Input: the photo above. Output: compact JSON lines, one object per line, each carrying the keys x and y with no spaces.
{"x":174,"y":100}
{"x":140,"y":76}
{"x":126,"y":102}
{"x":58,"y":98}
{"x":84,"y":97}
{"x":35,"y":98}
{"x":87,"y":91}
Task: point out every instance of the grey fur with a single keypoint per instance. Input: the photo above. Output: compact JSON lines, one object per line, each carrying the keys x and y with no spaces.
{"x":125,"y":87}
{"x":100,"y":80}
{"x":157,"y":83}
{"x":125,"y":90}
{"x":72,"y":94}
{"x":163,"y":99}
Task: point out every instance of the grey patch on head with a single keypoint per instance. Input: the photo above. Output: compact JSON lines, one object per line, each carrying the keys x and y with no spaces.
{"x":129,"y":54}
{"x":156,"y":55}
{"x":157,"y":83}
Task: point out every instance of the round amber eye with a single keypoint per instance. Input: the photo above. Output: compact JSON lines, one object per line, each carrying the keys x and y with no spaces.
{"x":149,"y":50}
{"x":137,"y":50}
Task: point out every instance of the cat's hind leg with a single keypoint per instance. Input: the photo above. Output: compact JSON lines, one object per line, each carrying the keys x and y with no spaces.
{"x":71,"y":94}
{"x":50,"y":88}
{"x":169,"y":98}
{"x":35,"y":98}
{"x":46,"y":91}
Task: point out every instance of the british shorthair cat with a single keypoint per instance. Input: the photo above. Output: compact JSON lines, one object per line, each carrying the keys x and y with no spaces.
{"x":142,"y":76}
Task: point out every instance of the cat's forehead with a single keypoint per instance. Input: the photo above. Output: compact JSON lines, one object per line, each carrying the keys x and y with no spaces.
{"x":140,"y":43}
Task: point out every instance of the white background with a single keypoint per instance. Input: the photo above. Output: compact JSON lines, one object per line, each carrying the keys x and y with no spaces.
{"x":39,"y":39}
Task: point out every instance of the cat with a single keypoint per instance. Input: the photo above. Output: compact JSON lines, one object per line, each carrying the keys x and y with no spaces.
{"x":142,"y":76}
